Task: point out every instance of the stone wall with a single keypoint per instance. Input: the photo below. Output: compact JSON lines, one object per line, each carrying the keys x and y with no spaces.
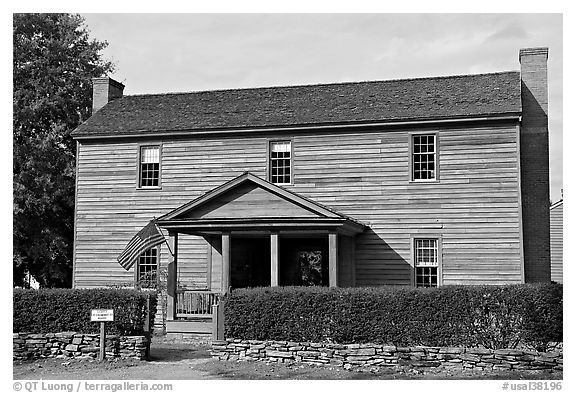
{"x":77,"y":345}
{"x":371,"y":355}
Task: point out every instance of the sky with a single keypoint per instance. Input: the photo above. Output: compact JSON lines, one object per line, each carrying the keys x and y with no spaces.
{"x":159,"y":53}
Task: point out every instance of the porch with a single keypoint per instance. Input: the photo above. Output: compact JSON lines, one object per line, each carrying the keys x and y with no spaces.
{"x":247,"y":259}
{"x":258,"y":234}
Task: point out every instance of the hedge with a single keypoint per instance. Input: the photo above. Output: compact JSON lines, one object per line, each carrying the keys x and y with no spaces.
{"x":58,"y":310}
{"x":490,"y":316}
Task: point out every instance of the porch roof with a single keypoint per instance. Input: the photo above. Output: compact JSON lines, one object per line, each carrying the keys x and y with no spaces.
{"x":249,"y":203}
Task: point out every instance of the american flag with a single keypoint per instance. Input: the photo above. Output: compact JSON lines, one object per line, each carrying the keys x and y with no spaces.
{"x":148,"y":237}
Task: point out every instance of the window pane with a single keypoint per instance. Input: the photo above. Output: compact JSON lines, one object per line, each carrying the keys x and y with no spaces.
{"x":150,"y":166}
{"x":148,"y":269}
{"x":427,"y":277}
{"x":150,"y":174}
{"x":426,"y":262}
{"x":150,"y":154}
{"x":424,"y":157}
{"x":279,"y":147}
{"x":280,"y":162}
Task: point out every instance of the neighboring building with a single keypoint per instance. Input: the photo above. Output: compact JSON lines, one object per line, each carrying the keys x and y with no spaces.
{"x":556,"y":240}
{"x":425,"y":182}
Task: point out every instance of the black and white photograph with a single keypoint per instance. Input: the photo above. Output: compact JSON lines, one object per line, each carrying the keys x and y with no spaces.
{"x":256,"y":196}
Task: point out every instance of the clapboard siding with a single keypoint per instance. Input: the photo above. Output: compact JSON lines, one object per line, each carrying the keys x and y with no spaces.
{"x":556,"y":241}
{"x":473,"y":207}
{"x":247,"y":201}
{"x":110,"y":210}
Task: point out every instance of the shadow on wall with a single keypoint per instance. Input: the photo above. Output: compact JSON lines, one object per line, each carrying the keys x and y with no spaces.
{"x":532,"y":109}
{"x":535,"y":183}
{"x":377,"y":263}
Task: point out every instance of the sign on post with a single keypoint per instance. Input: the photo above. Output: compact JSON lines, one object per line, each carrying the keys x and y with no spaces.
{"x":102,"y":316}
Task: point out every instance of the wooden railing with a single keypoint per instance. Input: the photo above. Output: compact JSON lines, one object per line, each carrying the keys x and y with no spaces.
{"x":194,"y":303}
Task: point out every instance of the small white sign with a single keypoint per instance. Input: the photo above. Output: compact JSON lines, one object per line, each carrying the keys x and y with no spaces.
{"x":102,"y":316}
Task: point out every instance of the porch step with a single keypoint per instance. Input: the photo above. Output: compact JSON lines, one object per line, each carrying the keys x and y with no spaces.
{"x":198,"y":338}
{"x":198,"y":325}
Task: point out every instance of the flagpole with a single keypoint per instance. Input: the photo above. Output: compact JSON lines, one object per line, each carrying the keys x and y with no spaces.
{"x":160,"y":230}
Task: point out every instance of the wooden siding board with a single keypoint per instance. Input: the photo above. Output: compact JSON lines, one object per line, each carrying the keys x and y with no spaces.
{"x":364,"y":175}
{"x":249,"y":200}
{"x":556,"y":242}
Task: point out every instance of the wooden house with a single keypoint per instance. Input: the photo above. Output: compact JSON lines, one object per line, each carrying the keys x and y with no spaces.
{"x":418,"y":182}
{"x":556,"y":240}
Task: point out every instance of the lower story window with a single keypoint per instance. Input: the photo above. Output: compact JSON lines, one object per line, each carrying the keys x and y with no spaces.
{"x":148,"y":269}
{"x":426,"y":262}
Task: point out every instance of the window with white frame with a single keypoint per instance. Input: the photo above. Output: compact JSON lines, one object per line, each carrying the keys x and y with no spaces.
{"x":147,"y":275}
{"x":424,"y":157}
{"x":426,"y":262}
{"x":281,"y":162}
{"x":149,"y":171}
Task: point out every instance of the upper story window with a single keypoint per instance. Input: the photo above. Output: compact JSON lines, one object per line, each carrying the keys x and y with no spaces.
{"x":426,"y":262}
{"x":149,"y":173}
{"x":281,"y":162}
{"x":424,"y":149}
{"x":147,"y":274}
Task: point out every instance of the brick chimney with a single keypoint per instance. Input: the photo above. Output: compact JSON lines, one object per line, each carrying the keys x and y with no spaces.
{"x":105,"y":90}
{"x":534,"y":164}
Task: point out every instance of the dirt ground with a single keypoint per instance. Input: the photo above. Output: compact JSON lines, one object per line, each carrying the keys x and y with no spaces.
{"x":189,"y":361}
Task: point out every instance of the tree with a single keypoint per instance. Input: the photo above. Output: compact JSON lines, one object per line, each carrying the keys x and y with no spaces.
{"x":54,"y":60}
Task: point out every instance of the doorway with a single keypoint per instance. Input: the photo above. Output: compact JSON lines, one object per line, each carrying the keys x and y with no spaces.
{"x":250,"y":262}
{"x":304,"y":261}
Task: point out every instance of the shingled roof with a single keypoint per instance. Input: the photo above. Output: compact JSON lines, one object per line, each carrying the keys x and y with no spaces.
{"x":451,"y":97}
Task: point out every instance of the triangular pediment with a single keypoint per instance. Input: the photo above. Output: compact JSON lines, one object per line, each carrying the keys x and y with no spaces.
{"x":249,"y":197}
{"x":247,"y":200}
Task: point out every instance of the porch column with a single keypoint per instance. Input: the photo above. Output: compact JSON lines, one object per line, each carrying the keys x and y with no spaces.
{"x":172,"y":276}
{"x":333,"y":259}
{"x":226,"y":261}
{"x":274,"y":257}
